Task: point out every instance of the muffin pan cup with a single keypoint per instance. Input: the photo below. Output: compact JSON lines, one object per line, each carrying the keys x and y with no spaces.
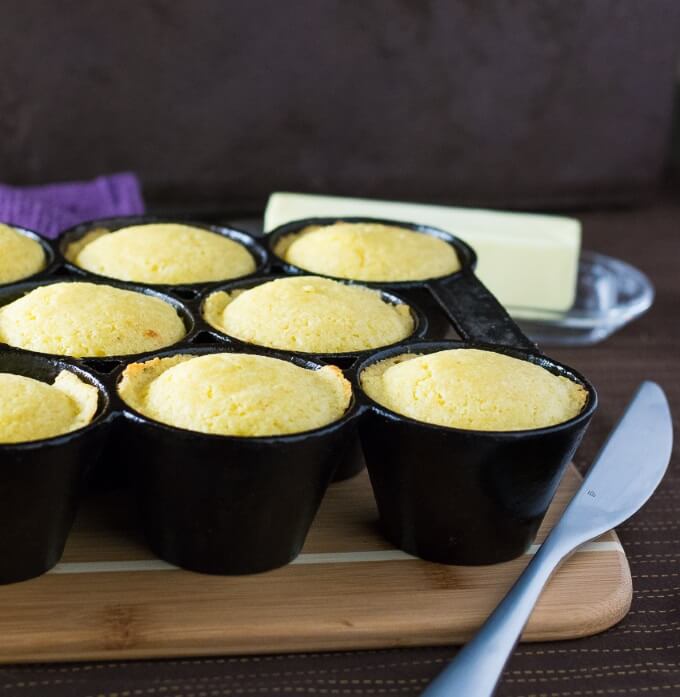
{"x":186,"y":291}
{"x":349,"y":457}
{"x":344,"y":359}
{"x":52,"y":260}
{"x":459,"y":496}
{"x":41,"y":481}
{"x":229,"y":504}
{"x":10,"y":293}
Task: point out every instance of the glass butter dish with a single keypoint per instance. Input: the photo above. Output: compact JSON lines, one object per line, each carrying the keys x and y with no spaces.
{"x":610,"y":293}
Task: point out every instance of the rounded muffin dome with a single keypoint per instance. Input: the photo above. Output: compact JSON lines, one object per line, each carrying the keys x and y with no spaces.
{"x":20,"y":256}
{"x":369,"y":252}
{"x":89,"y":320}
{"x":309,"y":314}
{"x":161,"y":253}
{"x":235,"y":394}
{"x":31,"y":410}
{"x":473,"y":389}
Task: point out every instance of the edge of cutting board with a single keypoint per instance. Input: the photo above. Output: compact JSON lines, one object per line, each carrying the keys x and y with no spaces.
{"x":349,"y":590}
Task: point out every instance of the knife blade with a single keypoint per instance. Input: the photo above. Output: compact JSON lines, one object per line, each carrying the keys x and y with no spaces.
{"x":624,"y":474}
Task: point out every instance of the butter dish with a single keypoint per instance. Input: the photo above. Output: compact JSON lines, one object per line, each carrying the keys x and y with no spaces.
{"x":610,"y":293}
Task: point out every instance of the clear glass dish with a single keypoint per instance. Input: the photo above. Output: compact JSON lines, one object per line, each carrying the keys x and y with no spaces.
{"x":610,"y":293}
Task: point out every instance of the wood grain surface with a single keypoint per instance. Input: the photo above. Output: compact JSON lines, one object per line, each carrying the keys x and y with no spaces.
{"x":109,"y":598}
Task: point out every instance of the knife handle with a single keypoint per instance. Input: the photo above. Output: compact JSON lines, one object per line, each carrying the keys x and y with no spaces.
{"x":477,"y":668}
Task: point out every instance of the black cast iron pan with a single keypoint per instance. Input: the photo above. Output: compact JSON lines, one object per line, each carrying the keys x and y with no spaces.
{"x":445,"y":494}
{"x":42,"y":480}
{"x":228,"y":504}
{"x":344,"y":359}
{"x":182,"y":290}
{"x":11,"y":292}
{"x":459,"y":496}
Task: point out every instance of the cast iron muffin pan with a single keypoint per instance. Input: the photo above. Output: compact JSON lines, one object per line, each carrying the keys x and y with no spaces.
{"x":42,"y":480}
{"x":11,"y":292}
{"x":183,"y":290}
{"x":459,"y":496}
{"x":342,"y":359}
{"x":448,"y":495}
{"x":229,"y":504}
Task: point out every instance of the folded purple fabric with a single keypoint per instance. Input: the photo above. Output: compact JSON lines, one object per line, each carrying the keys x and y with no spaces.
{"x":51,"y":208}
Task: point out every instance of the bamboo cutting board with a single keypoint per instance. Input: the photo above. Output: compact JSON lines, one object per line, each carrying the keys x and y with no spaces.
{"x":109,"y":598}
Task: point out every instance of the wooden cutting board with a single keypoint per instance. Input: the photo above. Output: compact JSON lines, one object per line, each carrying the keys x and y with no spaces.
{"x":109,"y":598}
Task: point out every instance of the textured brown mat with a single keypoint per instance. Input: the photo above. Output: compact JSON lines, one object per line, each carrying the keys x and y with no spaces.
{"x":641,"y":656}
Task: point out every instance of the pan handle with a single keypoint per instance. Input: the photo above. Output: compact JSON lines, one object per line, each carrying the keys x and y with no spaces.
{"x":475,"y":313}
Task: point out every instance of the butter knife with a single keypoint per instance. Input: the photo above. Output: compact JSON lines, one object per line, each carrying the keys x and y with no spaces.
{"x":625,"y":473}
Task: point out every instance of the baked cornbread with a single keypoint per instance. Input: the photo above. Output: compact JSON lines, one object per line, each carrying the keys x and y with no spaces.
{"x":20,"y":256}
{"x":161,"y":253}
{"x":31,"y":409}
{"x":235,"y":394}
{"x":86,"y":319}
{"x":369,"y":252}
{"x":310,"y":314}
{"x":473,"y":389}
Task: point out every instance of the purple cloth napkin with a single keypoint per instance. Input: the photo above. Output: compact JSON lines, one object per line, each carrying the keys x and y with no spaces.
{"x":51,"y":208}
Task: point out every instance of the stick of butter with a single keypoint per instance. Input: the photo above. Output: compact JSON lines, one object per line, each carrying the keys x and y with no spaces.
{"x":528,"y":261}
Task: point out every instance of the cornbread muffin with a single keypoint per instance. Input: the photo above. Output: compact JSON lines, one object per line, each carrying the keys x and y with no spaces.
{"x":369,"y":252}
{"x":31,"y":409}
{"x":85,"y":319}
{"x":473,"y":389}
{"x":311,"y":314}
{"x":161,"y":253}
{"x":235,"y":394}
{"x":20,"y":256}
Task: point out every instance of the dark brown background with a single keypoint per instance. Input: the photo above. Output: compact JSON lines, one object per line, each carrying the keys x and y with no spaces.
{"x":213,"y":102}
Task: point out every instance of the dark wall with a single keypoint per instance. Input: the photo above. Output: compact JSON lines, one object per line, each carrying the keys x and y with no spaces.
{"x":545,"y":102}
